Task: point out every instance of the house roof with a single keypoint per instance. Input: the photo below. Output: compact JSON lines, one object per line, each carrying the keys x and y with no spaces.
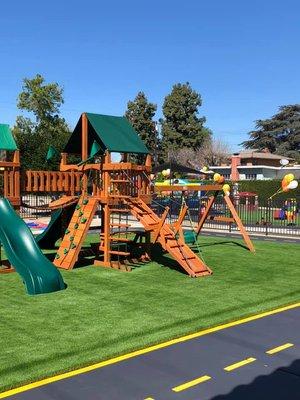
{"x":112,"y":133}
{"x":175,"y":167}
{"x":7,"y":141}
{"x":261,"y":155}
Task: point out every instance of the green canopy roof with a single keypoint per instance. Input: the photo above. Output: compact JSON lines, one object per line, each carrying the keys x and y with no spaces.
{"x":7,"y":141}
{"x":115,"y":134}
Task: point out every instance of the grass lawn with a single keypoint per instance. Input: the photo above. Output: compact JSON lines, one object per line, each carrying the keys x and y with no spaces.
{"x":105,"y":312}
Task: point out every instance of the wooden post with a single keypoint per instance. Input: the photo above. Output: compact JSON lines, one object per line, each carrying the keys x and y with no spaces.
{"x":17,"y":191}
{"x":84,"y":149}
{"x":63,"y":160}
{"x":206,"y":212}
{"x":239,"y":224}
{"x":106,"y":225}
{"x":84,"y":137}
{"x":178,"y":223}
{"x":148,"y":161}
{"x":106,"y":211}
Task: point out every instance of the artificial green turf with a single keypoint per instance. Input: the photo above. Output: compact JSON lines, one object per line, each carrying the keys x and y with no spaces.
{"x":105,"y":312}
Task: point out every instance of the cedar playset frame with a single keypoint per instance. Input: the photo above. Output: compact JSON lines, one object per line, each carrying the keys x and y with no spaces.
{"x":117,"y":188}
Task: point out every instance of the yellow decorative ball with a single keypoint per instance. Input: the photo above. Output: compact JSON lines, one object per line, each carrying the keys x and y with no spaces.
{"x":216,"y":177}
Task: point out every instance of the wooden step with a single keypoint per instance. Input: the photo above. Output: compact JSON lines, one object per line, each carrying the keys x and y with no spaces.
{"x":188,"y":257}
{"x":119,"y":253}
{"x":120,"y":210}
{"x":119,"y":181}
{"x":117,"y":239}
{"x":121,"y":225}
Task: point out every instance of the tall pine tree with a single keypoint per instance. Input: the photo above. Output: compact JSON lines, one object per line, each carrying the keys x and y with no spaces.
{"x":279,"y":134}
{"x":140,"y":113}
{"x":181,"y":125}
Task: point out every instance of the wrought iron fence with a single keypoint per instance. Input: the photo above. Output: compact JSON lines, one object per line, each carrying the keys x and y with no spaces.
{"x":36,"y":205}
{"x":269,"y":218}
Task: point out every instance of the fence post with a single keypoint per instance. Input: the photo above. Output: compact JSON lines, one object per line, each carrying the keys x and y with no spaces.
{"x":267,"y":216}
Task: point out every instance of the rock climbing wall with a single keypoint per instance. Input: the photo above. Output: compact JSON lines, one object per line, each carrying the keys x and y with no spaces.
{"x":69,"y":249}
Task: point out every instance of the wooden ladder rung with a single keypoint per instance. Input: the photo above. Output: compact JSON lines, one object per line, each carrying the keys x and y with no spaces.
{"x":124,"y":210}
{"x":121,"y":225}
{"x":119,"y":180}
{"x":122,"y":196}
{"x":117,"y":239}
{"x":119,"y":253}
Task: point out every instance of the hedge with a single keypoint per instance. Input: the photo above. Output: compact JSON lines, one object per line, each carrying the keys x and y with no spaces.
{"x":265,"y":189}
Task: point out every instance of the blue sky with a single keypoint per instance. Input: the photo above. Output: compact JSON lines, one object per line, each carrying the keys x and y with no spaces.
{"x":241,"y":56}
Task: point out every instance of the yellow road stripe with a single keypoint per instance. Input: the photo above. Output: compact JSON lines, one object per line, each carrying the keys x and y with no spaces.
{"x":146,"y":350}
{"x":279,"y":348}
{"x":189,"y":384}
{"x":239,"y":364}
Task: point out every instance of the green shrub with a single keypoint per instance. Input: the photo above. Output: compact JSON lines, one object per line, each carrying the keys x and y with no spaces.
{"x":265,"y":189}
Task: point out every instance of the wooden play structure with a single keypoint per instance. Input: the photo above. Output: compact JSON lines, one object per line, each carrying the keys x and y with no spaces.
{"x":115,"y":190}
{"x":118,"y":189}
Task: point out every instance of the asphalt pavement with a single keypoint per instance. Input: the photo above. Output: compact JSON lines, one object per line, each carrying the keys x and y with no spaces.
{"x":258,"y":359}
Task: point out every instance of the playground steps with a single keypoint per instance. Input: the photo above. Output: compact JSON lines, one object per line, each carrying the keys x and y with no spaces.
{"x":119,"y":239}
{"x":116,"y":243}
{"x":71,"y":244}
{"x":120,"y":225}
{"x":164,"y":234}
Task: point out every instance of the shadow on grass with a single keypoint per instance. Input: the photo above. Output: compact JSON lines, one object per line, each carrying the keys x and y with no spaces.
{"x":224,"y":243}
{"x":159,"y":256}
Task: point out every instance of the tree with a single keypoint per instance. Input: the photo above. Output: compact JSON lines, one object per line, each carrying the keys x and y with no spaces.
{"x":140,"y":113}
{"x":279,"y":134}
{"x":212,"y":152}
{"x":181,"y":125}
{"x":34,"y":137}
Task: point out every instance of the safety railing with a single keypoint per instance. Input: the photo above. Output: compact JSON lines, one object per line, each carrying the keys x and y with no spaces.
{"x":51,"y":181}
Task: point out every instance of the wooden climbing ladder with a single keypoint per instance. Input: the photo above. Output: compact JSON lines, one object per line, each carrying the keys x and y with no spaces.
{"x":167,"y":237}
{"x":111,"y":236}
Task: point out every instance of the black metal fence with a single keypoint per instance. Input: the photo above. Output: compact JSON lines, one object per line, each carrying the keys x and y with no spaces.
{"x":270,"y":218}
{"x":36,"y":205}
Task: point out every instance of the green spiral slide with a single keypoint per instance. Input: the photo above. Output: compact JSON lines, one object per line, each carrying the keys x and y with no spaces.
{"x":38,"y":273}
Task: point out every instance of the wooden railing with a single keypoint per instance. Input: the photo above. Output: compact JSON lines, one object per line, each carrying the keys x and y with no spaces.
{"x":51,"y":181}
{"x":10,"y":185}
{"x":123,"y":179}
{"x":10,"y":179}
